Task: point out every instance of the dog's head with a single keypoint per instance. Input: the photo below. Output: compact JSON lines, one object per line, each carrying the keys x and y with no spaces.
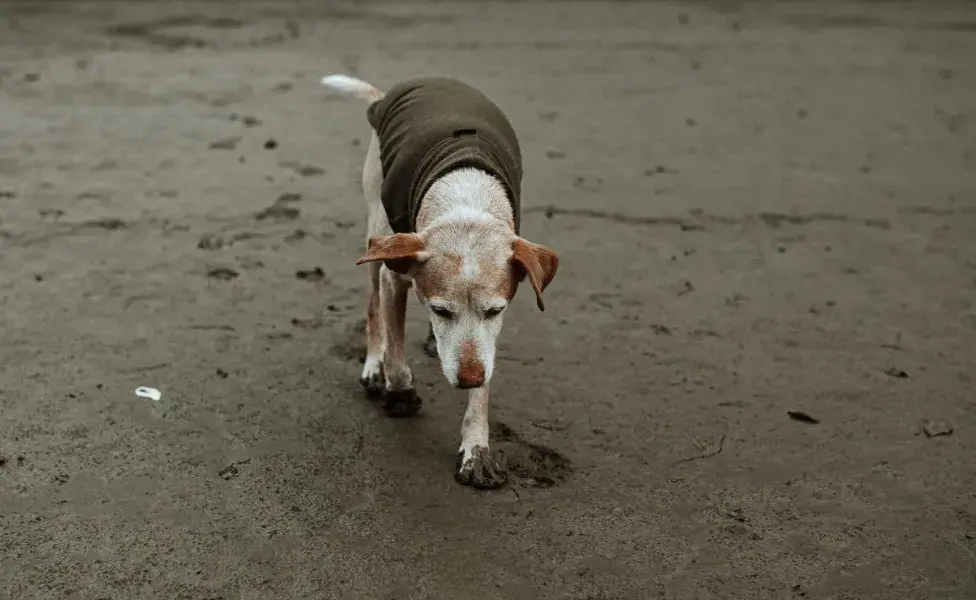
{"x":466,"y":274}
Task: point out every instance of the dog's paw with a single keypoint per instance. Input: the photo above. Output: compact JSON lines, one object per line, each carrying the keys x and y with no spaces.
{"x":430,"y":345}
{"x":402,"y":403}
{"x":480,"y":470}
{"x":373,"y":380}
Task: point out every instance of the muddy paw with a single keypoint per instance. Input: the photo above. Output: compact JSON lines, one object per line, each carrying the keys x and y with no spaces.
{"x":403,"y":403}
{"x":373,"y":382}
{"x":430,"y":345}
{"x":480,"y":470}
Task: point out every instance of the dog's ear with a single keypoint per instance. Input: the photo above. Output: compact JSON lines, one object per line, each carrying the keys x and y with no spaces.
{"x":538,"y":263}
{"x":400,"y":252}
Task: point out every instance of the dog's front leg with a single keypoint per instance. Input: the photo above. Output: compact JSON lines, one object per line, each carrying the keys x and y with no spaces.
{"x":475,"y":465}
{"x":401,"y":398}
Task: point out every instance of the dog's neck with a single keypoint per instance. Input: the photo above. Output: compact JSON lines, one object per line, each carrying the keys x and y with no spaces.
{"x":465,"y":196}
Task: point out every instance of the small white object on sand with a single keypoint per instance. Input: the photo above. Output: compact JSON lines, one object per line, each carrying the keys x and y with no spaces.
{"x":148,"y":392}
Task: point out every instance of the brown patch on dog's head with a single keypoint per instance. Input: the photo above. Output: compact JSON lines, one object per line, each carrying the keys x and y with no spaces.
{"x":438,"y":276}
{"x":536,"y":262}
{"x":442,"y":276}
{"x":400,"y":252}
{"x":503,"y":281}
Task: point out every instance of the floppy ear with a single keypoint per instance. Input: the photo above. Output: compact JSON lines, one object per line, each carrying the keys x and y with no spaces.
{"x":399,"y":252}
{"x":538,"y":263}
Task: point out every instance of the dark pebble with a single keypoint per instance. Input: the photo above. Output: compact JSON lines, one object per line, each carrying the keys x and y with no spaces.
{"x":222,"y":273}
{"x":226,"y":143}
{"x":316,"y":274}
{"x":228,"y":472}
{"x":289,"y":197}
{"x":896,"y":373}
{"x":278,"y":212}
{"x":310,"y":171}
{"x":802,"y":417}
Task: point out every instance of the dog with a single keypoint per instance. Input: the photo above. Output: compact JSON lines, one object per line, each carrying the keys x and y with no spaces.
{"x":442,"y":181}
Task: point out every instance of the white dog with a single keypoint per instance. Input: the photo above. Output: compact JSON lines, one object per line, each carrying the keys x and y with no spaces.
{"x":442,"y":181}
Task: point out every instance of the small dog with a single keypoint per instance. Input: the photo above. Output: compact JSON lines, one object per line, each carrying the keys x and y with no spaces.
{"x":442,"y":181}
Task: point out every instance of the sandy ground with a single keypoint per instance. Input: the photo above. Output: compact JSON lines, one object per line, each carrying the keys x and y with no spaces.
{"x":760,"y":208}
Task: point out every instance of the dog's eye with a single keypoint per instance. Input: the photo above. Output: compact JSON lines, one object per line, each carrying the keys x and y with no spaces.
{"x":442,"y":312}
{"x":493,"y":312}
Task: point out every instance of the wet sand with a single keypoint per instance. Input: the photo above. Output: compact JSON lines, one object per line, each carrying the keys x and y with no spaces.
{"x":760,"y":208}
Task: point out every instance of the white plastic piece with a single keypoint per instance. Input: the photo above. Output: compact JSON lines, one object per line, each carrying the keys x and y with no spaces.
{"x":148,"y":392}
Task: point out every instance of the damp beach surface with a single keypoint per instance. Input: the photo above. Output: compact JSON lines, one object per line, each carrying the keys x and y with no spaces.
{"x":753,"y":377}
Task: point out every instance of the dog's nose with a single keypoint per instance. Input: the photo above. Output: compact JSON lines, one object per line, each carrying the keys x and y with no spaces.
{"x":470,"y":384}
{"x":471,"y":376}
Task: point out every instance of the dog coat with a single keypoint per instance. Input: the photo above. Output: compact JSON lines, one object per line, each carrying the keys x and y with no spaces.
{"x":428,"y":127}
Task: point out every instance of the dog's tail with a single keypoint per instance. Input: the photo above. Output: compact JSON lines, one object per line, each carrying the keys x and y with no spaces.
{"x":351,"y":86}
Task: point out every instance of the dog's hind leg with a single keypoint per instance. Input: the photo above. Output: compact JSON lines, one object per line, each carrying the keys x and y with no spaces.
{"x":372,"y":377}
{"x":400,"y":398}
{"x":376,"y":224}
{"x":386,"y":369}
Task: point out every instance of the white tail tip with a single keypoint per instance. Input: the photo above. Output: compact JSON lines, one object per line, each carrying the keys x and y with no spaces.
{"x":351,"y":86}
